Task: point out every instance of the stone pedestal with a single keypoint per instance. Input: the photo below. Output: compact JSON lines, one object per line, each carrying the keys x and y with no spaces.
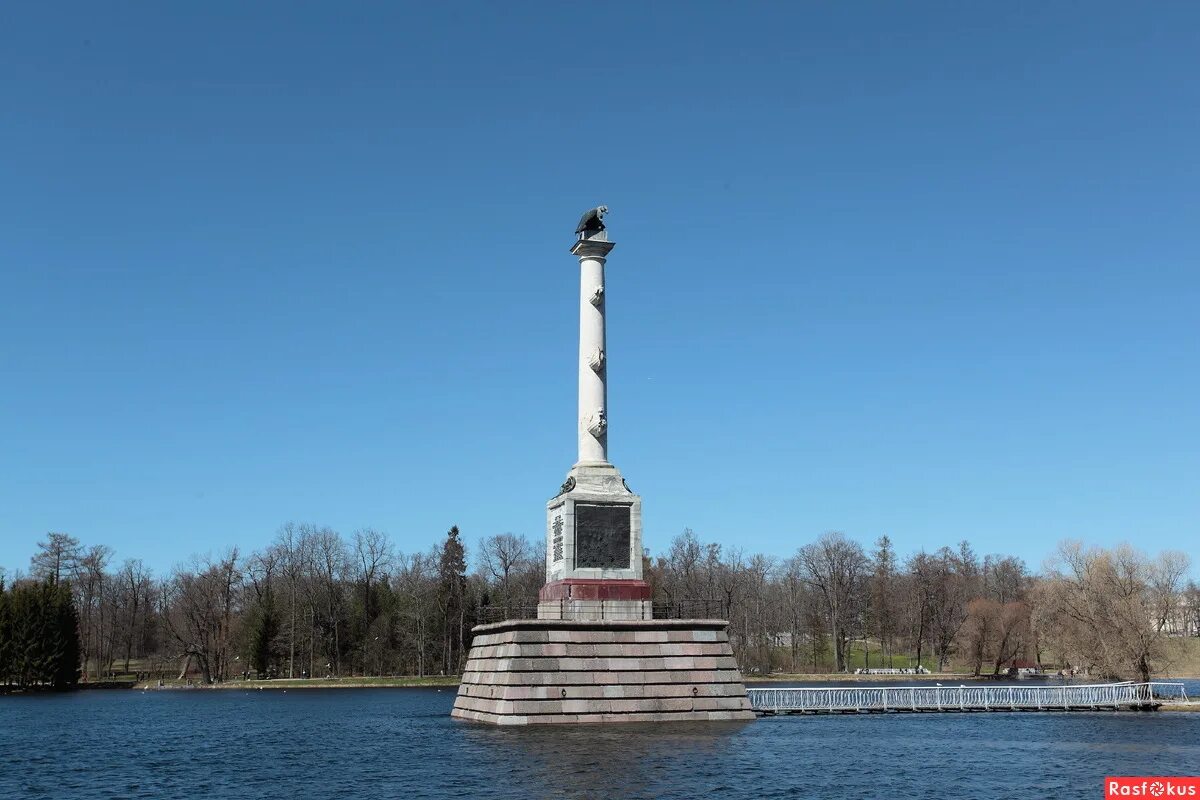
{"x":528,"y":672}
{"x":594,"y":549}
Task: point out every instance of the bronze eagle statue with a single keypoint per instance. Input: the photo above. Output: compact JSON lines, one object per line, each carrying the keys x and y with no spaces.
{"x":592,"y":222}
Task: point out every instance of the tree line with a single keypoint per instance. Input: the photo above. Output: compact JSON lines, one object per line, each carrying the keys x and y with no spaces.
{"x":1105,"y":612}
{"x":315,"y":603}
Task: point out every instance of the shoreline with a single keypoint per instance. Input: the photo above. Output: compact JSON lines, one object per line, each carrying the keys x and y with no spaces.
{"x":1193,"y":706}
{"x":414,"y":682}
{"x":283,"y":684}
{"x":442,"y":682}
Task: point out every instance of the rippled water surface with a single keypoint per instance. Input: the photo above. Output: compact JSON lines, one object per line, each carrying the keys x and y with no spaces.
{"x":346,"y":743}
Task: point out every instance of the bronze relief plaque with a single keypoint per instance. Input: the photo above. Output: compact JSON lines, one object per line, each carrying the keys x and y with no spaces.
{"x":602,"y":533}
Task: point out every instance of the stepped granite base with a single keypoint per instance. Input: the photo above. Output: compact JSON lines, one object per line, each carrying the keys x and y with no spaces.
{"x":526,"y":672}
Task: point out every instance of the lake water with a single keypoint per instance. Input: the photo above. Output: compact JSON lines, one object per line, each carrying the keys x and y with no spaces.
{"x":401,"y":743}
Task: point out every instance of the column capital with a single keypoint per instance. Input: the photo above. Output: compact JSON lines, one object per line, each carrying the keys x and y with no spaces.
{"x":592,"y":248}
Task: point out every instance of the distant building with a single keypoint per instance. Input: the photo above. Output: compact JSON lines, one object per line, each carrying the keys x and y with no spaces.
{"x":781,"y":639}
{"x":1184,"y":622}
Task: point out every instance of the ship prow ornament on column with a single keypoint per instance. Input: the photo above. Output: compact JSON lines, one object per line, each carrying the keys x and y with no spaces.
{"x":595,"y":653}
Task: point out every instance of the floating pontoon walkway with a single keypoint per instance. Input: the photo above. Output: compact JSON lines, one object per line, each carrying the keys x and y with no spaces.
{"x":899,"y":699}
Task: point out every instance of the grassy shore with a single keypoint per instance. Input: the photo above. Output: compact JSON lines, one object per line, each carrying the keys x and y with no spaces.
{"x":358,"y":682}
{"x":402,"y":681}
{"x":1183,"y":662}
{"x":1183,"y":658}
{"x":829,"y":677}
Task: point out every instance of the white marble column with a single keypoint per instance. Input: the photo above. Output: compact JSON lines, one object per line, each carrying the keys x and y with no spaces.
{"x":593,"y":384}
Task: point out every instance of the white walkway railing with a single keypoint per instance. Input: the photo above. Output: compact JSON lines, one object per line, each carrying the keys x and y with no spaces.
{"x":1068,"y":697}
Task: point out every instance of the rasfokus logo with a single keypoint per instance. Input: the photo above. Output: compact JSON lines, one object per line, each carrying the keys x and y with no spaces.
{"x":1157,"y":786}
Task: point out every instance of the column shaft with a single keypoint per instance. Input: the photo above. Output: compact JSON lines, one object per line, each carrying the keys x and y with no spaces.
{"x":593,"y":390}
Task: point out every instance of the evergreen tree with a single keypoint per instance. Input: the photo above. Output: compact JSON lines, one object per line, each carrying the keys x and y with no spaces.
{"x":5,"y":637}
{"x":452,"y":580}
{"x":266,"y":628}
{"x":882,"y":600}
{"x":39,"y":636}
{"x":63,"y":642}
{"x":23,"y":635}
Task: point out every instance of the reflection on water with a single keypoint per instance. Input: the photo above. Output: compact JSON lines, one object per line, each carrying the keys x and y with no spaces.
{"x":401,"y":743}
{"x":577,"y":760}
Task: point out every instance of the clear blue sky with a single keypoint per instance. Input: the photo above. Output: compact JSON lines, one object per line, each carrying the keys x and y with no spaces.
{"x":923,"y":270}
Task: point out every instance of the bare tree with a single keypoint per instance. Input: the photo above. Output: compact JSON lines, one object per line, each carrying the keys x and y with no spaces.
{"x":994,"y":633}
{"x":945,"y":583}
{"x":1014,"y":634}
{"x":372,"y":559}
{"x":730,"y":581}
{"x":1099,"y":608}
{"x":1165,"y":577}
{"x":757,"y":613}
{"x":416,"y":581}
{"x":796,"y":601}
{"x":835,"y":567}
{"x":90,"y":586}
{"x":332,"y":566}
{"x":978,"y":631}
{"x":681,"y":567}
{"x":133,"y":596}
{"x":200,"y":602}
{"x":1005,"y":578}
{"x":507,"y":559}
{"x":292,"y":557}
{"x":372,"y":554}
{"x":57,"y":557}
